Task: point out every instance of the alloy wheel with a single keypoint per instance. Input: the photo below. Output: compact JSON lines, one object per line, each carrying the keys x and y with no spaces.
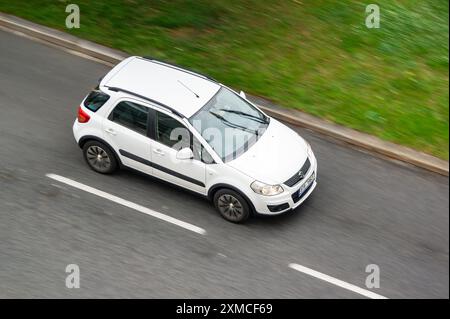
{"x":230,"y":207}
{"x":98,"y":158}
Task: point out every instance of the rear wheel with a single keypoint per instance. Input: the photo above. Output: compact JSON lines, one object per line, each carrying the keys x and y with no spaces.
{"x":231,"y":205}
{"x":99,"y":157}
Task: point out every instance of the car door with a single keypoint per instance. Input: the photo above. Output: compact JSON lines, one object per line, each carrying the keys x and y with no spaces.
{"x":126,"y":130}
{"x":169,"y":136}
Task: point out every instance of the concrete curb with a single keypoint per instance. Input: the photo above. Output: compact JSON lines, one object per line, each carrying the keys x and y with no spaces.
{"x":295,"y":117}
{"x":353,"y":137}
{"x":61,"y":39}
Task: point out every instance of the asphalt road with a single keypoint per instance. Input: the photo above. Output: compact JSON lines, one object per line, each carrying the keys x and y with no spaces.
{"x":365,"y":210}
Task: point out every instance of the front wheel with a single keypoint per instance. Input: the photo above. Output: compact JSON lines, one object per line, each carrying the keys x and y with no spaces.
{"x":231,"y":205}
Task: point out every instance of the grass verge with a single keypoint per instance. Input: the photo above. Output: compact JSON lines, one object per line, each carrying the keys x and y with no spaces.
{"x":316,"y":56}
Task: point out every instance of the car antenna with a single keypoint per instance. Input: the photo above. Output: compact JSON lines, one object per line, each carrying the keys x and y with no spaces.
{"x":196,"y":95}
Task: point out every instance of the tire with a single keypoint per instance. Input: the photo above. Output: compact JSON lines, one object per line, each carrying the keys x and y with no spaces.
{"x":99,"y":157}
{"x":231,"y":205}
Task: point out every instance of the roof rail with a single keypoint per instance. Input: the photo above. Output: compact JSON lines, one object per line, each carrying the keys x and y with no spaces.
{"x":180,"y":68}
{"x":117,"y":89}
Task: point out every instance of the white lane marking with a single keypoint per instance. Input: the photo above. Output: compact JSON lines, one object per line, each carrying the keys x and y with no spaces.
{"x":336,"y":281}
{"x":127,"y":203}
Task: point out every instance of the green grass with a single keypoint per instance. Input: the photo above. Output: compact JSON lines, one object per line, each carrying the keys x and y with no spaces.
{"x":316,"y":56}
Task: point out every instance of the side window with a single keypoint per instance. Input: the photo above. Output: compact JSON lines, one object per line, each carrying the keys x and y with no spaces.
{"x":206,"y":157}
{"x":171,"y":132}
{"x":200,"y":153}
{"x":95,"y":100}
{"x":174,"y":134}
{"x":130,"y":115}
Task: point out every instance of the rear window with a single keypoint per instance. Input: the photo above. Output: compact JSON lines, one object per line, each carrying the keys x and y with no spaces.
{"x":95,"y":100}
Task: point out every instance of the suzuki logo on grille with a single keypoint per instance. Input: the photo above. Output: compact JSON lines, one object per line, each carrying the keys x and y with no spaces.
{"x":300,"y":174}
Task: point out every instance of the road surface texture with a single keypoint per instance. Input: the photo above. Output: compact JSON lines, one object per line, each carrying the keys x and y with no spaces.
{"x":364,"y":211}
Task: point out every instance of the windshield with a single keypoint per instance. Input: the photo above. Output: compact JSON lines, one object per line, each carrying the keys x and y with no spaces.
{"x":229,"y":124}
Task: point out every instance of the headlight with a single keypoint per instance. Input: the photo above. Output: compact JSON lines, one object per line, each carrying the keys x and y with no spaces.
{"x":266,"y":190}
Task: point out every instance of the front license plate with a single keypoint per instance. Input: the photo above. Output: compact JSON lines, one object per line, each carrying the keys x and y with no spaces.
{"x":306,"y":184}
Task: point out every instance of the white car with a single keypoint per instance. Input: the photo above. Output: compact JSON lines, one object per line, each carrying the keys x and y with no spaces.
{"x":187,"y":129}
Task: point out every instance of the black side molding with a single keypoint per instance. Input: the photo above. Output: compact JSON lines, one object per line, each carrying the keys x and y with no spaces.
{"x":160,"y":168}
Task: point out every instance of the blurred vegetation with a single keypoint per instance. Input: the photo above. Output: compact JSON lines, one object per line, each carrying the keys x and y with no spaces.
{"x":316,"y":56}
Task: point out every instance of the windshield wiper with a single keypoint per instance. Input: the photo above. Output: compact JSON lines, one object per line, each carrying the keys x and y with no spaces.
{"x":264,"y":120}
{"x":233,"y":125}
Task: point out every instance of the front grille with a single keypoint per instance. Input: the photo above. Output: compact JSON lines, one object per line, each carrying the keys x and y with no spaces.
{"x":298,"y":176}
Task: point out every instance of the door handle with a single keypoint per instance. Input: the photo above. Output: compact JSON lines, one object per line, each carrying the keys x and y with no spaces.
{"x":110,"y":131}
{"x":159,"y":152}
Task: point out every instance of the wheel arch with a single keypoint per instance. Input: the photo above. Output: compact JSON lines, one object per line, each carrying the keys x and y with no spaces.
{"x":213,"y":189}
{"x":88,"y":138}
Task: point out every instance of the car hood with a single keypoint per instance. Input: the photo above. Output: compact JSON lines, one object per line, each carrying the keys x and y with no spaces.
{"x":277,"y":155}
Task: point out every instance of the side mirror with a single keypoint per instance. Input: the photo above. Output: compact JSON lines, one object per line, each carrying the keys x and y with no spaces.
{"x":185,"y":154}
{"x":242,"y":94}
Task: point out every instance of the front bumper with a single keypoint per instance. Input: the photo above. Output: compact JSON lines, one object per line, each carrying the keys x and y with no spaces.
{"x":290,"y":198}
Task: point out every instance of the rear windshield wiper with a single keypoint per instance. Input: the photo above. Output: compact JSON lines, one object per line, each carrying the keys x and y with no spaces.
{"x":264,"y":120}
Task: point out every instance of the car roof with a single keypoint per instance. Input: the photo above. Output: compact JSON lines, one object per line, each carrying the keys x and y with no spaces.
{"x":181,"y":90}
